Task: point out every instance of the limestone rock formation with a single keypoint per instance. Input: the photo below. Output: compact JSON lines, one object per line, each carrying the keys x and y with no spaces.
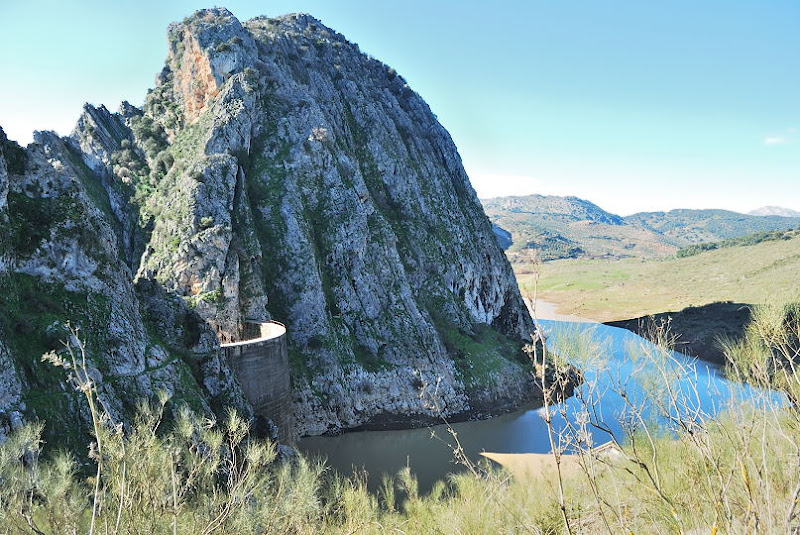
{"x":276,"y":171}
{"x":60,"y":267}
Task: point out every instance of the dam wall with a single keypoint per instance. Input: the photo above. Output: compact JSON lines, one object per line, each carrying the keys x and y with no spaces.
{"x":261,"y":364}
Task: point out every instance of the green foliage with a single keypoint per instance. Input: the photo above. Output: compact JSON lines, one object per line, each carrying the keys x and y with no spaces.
{"x":149,"y":134}
{"x":32,"y":316}
{"x":214,"y":296}
{"x":13,"y":154}
{"x":769,"y":351}
{"x":31,"y":220}
{"x":371,"y":362}
{"x":739,"y":241}
{"x":94,"y":189}
{"x":266,"y":179}
{"x":199,"y":476}
{"x":697,"y":248}
{"x":478,"y":353}
{"x":203,"y":477}
{"x":163,"y":108}
{"x":32,"y":309}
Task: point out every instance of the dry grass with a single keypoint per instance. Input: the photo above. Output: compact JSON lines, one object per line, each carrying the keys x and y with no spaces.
{"x":615,"y":290}
{"x":689,"y":471}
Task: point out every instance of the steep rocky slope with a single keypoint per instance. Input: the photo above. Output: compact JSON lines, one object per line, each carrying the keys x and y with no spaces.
{"x":275,"y":171}
{"x":60,"y":262}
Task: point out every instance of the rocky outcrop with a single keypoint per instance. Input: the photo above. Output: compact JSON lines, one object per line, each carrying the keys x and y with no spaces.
{"x":61,"y":264}
{"x":11,"y":389}
{"x":275,"y":171}
{"x":12,"y":160}
{"x":205,"y":51}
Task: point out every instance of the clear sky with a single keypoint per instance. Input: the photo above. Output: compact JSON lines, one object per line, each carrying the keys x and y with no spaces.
{"x":634,"y":105}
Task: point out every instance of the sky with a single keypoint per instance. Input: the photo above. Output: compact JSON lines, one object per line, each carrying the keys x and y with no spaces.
{"x":636,"y":106}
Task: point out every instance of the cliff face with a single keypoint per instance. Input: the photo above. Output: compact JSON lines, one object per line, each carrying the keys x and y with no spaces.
{"x":276,"y":171}
{"x":60,"y":262}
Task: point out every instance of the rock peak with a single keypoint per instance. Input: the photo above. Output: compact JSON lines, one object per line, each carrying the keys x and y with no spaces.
{"x":276,"y":171}
{"x":205,"y":49}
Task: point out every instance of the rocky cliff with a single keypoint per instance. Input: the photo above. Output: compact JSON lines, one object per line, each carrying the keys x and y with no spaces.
{"x":61,"y":267}
{"x":275,"y":171}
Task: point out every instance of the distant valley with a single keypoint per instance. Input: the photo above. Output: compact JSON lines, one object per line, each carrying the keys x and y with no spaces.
{"x":568,"y":227}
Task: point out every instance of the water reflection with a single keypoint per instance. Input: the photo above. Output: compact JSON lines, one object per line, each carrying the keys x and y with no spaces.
{"x":624,"y":376}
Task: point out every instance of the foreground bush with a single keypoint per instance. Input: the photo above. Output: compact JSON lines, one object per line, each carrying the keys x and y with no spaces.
{"x":678,"y":469}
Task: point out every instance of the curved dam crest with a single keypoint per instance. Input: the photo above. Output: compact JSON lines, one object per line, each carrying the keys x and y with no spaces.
{"x":261,"y":364}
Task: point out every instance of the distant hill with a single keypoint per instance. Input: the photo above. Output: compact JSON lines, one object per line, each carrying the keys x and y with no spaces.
{"x":739,"y":241}
{"x":569,"y":227}
{"x":775,"y":210}
{"x":685,"y":227}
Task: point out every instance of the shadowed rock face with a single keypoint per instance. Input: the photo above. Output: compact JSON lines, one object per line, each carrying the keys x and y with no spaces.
{"x":276,"y":171}
{"x":697,"y":331}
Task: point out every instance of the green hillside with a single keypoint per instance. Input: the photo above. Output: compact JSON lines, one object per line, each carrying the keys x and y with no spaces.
{"x":685,"y":227}
{"x":569,"y":227}
{"x":608,"y":290}
{"x":740,"y":241}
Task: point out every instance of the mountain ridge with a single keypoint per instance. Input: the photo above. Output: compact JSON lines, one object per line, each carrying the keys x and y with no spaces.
{"x":689,"y":226}
{"x":570,"y":227}
{"x":774,"y":210}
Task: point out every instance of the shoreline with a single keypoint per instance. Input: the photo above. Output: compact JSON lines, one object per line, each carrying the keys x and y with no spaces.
{"x":534,"y":465}
{"x":545,"y":310}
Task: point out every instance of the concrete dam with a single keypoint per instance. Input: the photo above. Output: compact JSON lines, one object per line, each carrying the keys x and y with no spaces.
{"x":261,"y":364}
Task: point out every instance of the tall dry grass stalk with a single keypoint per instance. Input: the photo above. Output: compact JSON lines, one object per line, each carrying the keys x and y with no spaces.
{"x":676,"y":466}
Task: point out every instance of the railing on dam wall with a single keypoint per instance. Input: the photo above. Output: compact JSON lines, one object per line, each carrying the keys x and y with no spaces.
{"x":261,"y":365}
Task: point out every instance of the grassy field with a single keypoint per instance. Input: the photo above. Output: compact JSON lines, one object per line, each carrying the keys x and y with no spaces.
{"x":607,"y":290}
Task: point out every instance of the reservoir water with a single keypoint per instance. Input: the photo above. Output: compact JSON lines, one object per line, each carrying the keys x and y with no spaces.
{"x":625,"y":376}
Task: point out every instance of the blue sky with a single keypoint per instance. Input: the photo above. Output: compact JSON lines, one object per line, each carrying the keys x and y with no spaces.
{"x":634,"y":105}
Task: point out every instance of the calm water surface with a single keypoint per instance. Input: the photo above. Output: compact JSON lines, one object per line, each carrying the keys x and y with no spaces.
{"x":621,"y":373}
